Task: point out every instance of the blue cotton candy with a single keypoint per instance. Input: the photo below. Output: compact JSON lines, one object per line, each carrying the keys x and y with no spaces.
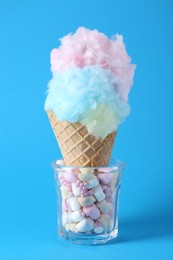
{"x":88,"y":96}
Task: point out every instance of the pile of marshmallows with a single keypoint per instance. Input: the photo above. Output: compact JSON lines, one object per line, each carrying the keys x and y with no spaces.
{"x":87,"y":200}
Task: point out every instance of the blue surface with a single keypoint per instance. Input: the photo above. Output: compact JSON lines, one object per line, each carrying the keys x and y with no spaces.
{"x":29,"y":30}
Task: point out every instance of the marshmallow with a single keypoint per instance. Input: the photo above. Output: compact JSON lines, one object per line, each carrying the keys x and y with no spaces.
{"x":72,"y":227}
{"x":98,"y":229}
{"x":104,"y":221}
{"x":75,"y":189}
{"x":70,"y":176}
{"x":64,"y":205}
{"x":60,"y":162}
{"x":64,"y":192}
{"x":110,"y":224}
{"x":60,"y":175}
{"x":75,"y":216}
{"x":67,"y":227}
{"x":65,"y":218}
{"x":100,"y":196}
{"x":105,"y":177}
{"x":92,"y":183}
{"x":86,"y":170}
{"x":85,"y":225}
{"x":98,"y":193}
{"x":112,"y":186}
{"x":109,"y":207}
{"x":86,"y":176}
{"x":107,"y":222}
{"x":74,"y":203}
{"x":86,"y":201}
{"x":104,"y":169}
{"x":92,"y":211}
{"x":105,"y":207}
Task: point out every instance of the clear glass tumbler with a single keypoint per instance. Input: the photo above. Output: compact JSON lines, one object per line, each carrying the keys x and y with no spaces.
{"x":88,"y":199}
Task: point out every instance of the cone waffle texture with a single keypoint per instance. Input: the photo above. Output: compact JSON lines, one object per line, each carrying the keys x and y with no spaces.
{"x":78,"y":147}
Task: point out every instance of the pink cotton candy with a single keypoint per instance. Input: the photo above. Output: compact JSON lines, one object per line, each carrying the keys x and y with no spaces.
{"x":92,"y":48}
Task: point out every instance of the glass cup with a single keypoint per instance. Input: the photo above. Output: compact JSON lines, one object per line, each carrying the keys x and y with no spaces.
{"x":88,"y":199}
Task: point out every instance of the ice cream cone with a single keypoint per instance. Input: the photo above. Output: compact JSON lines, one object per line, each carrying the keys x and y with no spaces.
{"x":78,"y":147}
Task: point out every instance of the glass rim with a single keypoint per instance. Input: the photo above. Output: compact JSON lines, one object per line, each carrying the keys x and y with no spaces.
{"x":114,"y":164}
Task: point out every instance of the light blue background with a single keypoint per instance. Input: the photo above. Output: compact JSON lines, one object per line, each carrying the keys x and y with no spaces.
{"x":29,"y":29}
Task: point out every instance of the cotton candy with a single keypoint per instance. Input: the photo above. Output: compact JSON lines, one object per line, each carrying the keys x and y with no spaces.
{"x":92,"y":77}
{"x":92,"y":48}
{"x":87,"y":95}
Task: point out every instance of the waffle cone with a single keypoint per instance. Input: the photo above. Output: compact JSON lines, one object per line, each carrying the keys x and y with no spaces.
{"x":78,"y":147}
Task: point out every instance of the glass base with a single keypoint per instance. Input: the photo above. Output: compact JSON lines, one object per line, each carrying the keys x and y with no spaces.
{"x":88,"y":199}
{"x":81,"y":239}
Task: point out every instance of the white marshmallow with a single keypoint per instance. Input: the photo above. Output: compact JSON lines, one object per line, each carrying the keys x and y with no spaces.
{"x":98,"y":229}
{"x":67,"y":227}
{"x":109,"y":207}
{"x":112,"y":186}
{"x":92,"y":183}
{"x":60,"y":162}
{"x":106,"y":222}
{"x":75,"y":189}
{"x":105,"y":207}
{"x":86,"y":176}
{"x":85,"y":225}
{"x":103,"y":219}
{"x":99,"y":196}
{"x":97,"y":189}
{"x":75,"y":216}
{"x":86,"y":170}
{"x":64,"y":192}
{"x":65,"y":218}
{"x":86,"y":201}
{"x":74,"y":203}
{"x":98,"y":193}
{"x":60,"y":175}
{"x":72,"y":227}
{"x":110,"y":225}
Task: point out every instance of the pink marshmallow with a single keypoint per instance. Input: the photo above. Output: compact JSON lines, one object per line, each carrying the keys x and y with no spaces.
{"x":105,"y":177}
{"x":92,"y":211}
{"x":104,"y":169}
{"x":70,"y":175}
